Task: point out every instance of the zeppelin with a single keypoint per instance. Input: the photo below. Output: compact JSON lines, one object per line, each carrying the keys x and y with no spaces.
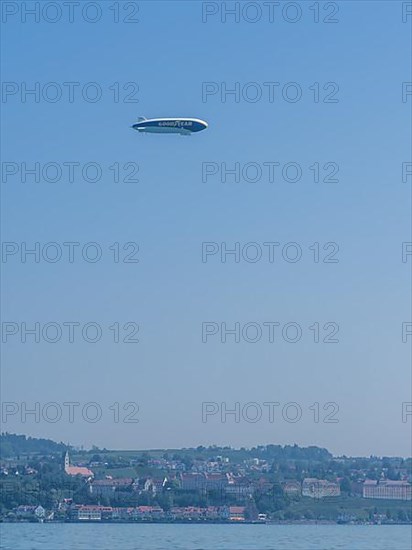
{"x":182,"y":126}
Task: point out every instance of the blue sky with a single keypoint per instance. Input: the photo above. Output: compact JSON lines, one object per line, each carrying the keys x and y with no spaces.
{"x":170,"y":53}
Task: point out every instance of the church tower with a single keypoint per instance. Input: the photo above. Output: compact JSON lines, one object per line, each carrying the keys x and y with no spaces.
{"x":66,"y":462}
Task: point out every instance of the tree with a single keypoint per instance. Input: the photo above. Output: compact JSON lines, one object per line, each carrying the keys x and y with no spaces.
{"x":345,"y":485}
{"x":251,"y":511}
{"x":402,"y":515}
{"x":165,"y":501}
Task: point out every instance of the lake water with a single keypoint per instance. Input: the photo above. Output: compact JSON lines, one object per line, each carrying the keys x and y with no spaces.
{"x":30,"y":536}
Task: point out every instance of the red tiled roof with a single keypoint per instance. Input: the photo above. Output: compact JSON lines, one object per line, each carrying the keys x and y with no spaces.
{"x":91,"y":507}
{"x":78,"y":470}
{"x":237,"y":509}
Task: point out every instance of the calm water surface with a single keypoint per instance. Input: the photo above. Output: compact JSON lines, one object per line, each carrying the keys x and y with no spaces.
{"x":204,"y":537}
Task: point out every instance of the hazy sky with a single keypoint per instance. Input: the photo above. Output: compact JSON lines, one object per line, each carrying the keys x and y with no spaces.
{"x":326,"y":97}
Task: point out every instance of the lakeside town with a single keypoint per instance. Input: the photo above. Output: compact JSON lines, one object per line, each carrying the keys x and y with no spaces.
{"x":44,"y":481}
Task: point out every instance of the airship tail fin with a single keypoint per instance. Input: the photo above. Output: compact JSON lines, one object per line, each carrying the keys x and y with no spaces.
{"x":141,"y":118}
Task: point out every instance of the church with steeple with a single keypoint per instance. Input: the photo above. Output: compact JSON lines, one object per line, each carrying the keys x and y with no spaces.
{"x":75,"y":470}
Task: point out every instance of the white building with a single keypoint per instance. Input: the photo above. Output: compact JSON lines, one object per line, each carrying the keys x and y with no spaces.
{"x":387,"y":489}
{"x":319,"y":488}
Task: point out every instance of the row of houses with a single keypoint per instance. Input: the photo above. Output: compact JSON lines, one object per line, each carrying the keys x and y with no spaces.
{"x":242,"y":488}
{"x":203,"y":482}
{"x":151,"y":513}
{"x":30,"y":512}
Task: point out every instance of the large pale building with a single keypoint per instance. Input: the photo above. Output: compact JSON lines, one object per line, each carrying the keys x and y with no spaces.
{"x":319,"y":488}
{"x":387,"y":489}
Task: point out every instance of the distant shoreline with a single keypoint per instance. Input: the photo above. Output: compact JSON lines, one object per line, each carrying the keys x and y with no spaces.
{"x":207,"y":522}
